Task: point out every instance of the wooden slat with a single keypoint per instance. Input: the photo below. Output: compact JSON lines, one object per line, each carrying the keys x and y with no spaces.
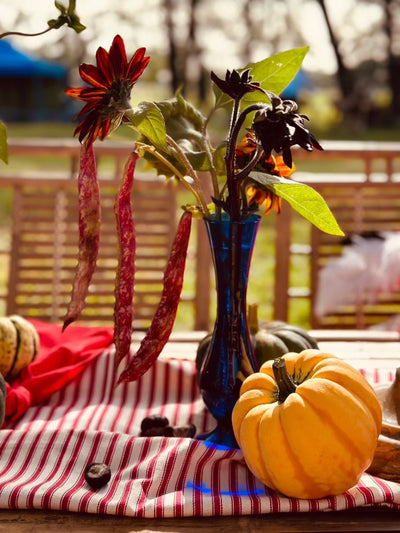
{"x":153,"y":212}
{"x":44,"y":251}
{"x":363,"y":208}
{"x":358,"y":207}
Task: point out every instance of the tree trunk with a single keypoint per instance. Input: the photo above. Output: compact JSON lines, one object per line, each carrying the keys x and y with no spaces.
{"x":172,"y":46}
{"x":193,"y":59}
{"x":393,"y":60}
{"x":345,"y":77}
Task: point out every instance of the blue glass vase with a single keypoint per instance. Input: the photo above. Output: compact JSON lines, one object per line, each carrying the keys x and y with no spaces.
{"x":230,"y":356}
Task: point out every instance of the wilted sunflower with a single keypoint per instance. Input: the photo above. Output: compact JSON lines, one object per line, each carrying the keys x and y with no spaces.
{"x":278,"y":127}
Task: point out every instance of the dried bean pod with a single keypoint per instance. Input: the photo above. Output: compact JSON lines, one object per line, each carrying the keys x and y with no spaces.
{"x":164,"y":318}
{"x":89,"y":232}
{"x":124,"y":284}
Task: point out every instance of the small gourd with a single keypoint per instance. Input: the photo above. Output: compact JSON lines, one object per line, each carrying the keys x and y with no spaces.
{"x":19,"y":345}
{"x":307,"y":424}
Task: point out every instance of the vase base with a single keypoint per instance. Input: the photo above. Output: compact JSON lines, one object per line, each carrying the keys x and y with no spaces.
{"x":221,"y":435}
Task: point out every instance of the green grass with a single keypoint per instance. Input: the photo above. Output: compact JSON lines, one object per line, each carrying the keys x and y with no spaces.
{"x":40,"y":129}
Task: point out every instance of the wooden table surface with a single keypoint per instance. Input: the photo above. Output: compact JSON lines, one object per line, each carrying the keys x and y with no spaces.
{"x":368,"y":348}
{"x":373,"y":520}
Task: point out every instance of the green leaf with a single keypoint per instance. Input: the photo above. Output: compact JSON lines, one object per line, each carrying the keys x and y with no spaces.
{"x":219,"y":159}
{"x":149,"y":121}
{"x":60,"y":7}
{"x":68,"y":17}
{"x":303,"y":199}
{"x":76,"y":24}
{"x":275,"y":73}
{"x":310,"y":204}
{"x":264,"y":179}
{"x":199,"y":160}
{"x":71,"y":7}
{"x":182,"y":119}
{"x":3,"y":143}
{"x":221,"y":99}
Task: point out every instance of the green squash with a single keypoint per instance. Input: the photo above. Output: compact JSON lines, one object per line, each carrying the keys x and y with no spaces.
{"x":270,"y":340}
{"x":276,"y":338}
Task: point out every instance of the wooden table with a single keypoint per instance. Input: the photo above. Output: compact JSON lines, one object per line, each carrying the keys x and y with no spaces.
{"x":53,"y":522}
{"x":362,"y":349}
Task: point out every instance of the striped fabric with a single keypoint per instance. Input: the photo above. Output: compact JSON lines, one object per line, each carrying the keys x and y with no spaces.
{"x":43,"y":455}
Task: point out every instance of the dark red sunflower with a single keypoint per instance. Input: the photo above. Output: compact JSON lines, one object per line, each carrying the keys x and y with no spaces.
{"x":278,"y":127}
{"x":108,"y":92}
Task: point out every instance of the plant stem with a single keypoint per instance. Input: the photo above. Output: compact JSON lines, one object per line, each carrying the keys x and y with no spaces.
{"x":191,"y":173}
{"x":244,"y":172}
{"x":237,"y":121}
{"x":286,"y":384}
{"x":8,"y":33}
{"x":235,"y":294}
{"x":174,"y":171}
{"x":252,"y":318}
{"x":233,"y":192}
{"x":214,"y":177}
{"x":208,"y":149}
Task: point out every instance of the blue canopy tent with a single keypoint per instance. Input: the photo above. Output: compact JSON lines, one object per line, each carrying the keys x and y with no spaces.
{"x":31,"y":88}
{"x":301,"y":82}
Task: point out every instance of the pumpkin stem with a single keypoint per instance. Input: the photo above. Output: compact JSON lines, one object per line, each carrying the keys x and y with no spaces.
{"x":252,"y":318}
{"x":285,"y":383}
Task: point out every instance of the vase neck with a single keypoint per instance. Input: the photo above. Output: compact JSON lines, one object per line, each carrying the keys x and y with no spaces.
{"x":232,"y":245}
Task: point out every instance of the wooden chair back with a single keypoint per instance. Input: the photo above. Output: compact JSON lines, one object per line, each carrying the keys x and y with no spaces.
{"x":45,"y":243}
{"x":361,"y":208}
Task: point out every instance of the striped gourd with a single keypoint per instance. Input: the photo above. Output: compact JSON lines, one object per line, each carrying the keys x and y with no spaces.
{"x":19,"y":345}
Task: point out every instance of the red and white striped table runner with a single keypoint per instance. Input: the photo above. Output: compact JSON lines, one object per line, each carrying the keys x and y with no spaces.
{"x":43,"y":455}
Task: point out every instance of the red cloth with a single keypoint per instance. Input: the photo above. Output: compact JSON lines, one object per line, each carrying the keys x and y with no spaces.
{"x":62,"y":357}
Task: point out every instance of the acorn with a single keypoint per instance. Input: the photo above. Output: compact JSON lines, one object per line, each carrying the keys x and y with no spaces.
{"x":97,"y":475}
{"x":159,"y":426}
{"x":155,"y":425}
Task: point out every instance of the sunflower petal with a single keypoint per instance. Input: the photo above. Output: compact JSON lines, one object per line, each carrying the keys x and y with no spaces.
{"x":117,"y":58}
{"x":93,"y":76}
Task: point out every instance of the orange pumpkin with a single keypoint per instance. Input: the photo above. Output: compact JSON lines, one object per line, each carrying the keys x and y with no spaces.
{"x":307,"y":424}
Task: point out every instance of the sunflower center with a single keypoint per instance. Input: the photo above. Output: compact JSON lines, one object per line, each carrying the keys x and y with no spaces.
{"x":117,"y":97}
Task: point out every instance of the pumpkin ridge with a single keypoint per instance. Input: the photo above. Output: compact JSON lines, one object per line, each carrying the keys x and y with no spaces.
{"x":257,"y":466}
{"x":354,"y":392}
{"x":326,"y":416}
{"x":314,"y":488}
{"x":299,"y":376}
{"x":293,"y":457}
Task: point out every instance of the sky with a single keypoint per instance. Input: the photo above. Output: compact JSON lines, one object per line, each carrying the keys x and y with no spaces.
{"x":147,"y":31}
